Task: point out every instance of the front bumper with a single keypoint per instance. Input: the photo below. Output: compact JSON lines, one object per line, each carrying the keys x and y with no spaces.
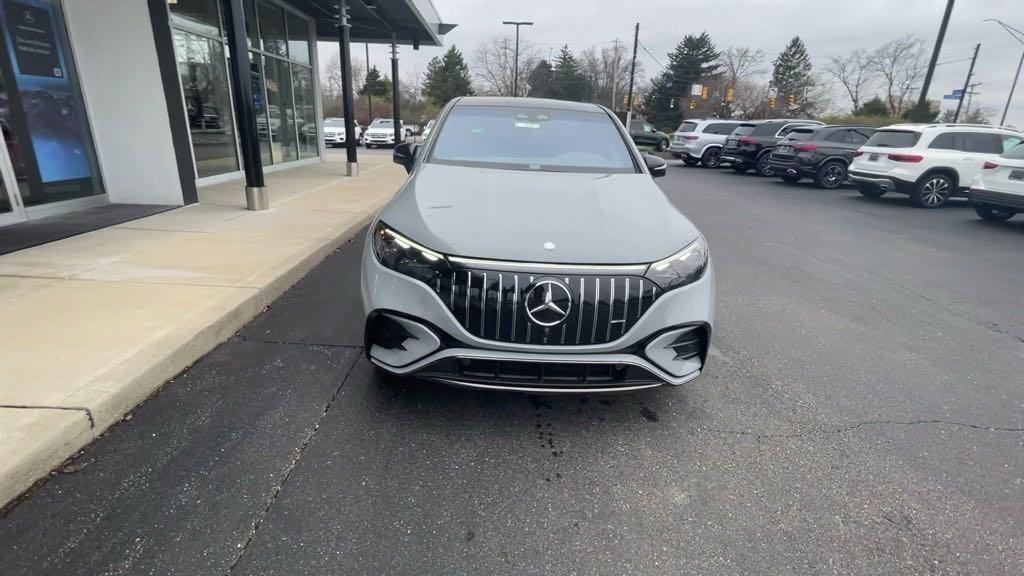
{"x":633,"y":361}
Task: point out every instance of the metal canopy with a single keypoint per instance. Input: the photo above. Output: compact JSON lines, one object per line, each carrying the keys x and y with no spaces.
{"x":376,"y":21}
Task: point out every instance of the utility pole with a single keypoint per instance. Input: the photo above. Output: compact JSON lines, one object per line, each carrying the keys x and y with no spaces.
{"x":615,"y":71}
{"x":922,"y":112}
{"x":971,"y":93}
{"x":632,"y":76}
{"x":967,"y":81}
{"x":515,"y":62}
{"x":369,"y":91}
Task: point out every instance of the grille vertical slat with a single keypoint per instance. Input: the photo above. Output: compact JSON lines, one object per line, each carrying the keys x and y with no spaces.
{"x":487,"y":304}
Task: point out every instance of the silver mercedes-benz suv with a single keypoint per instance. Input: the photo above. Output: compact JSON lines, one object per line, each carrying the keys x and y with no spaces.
{"x":531,"y":250}
{"x":701,"y":141}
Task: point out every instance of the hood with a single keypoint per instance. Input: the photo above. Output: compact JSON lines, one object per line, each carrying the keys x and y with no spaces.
{"x":512,"y":214}
{"x":380,"y":130}
{"x":333,"y":130}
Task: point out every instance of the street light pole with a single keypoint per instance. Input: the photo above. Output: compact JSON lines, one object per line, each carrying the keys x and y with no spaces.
{"x":515,"y":61}
{"x":1013,"y":32}
{"x":967,"y":84}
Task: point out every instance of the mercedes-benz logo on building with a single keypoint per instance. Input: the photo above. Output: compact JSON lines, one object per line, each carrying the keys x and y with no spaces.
{"x":548,"y":302}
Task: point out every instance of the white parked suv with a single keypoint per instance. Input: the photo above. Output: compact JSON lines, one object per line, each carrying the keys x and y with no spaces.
{"x":997,"y":193}
{"x":381,"y":132}
{"x":929,"y":162}
{"x":700,"y":141}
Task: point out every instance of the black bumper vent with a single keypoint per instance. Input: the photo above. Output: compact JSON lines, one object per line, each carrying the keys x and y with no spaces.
{"x":539,"y":374}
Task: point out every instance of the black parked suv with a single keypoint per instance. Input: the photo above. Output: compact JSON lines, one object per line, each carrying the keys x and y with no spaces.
{"x":751,"y":142}
{"x":820,"y":153}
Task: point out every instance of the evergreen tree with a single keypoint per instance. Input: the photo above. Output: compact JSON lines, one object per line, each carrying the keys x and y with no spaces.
{"x":540,"y":80}
{"x":874,"y":107}
{"x":792,"y":77}
{"x":377,"y":85}
{"x":694,"y":61}
{"x":447,"y":77}
{"x":568,"y":81}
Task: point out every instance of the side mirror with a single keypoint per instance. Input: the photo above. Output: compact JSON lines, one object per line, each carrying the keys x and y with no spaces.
{"x":405,"y":154}
{"x":656,"y":165}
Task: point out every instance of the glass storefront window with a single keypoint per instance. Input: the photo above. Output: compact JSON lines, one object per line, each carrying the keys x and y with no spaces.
{"x":298,"y":38}
{"x":43,"y":115}
{"x":272,"y":29}
{"x":305,"y":111}
{"x":282,"y":111}
{"x":204,"y":80}
{"x":260,"y":104}
{"x":201,"y":16}
{"x":252,"y":29}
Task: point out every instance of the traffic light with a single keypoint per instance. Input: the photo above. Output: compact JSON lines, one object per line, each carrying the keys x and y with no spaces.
{"x":771,"y":102}
{"x":693,"y":104}
{"x":672,"y":103}
{"x":705,"y":92}
{"x":791,"y":99}
{"x":730,"y":94}
{"x":625,"y":100}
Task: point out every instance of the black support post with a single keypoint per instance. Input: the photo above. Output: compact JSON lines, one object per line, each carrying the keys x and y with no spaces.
{"x":245,"y":111}
{"x":347,"y":99}
{"x":397,"y":114}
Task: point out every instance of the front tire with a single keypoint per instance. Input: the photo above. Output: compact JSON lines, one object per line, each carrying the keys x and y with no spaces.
{"x":993,"y":213}
{"x":662,"y":145}
{"x":712,"y":158}
{"x":739,"y":168}
{"x":831,"y":175}
{"x":763,"y":168}
{"x":932,"y":191}
{"x":368,"y":145}
{"x":690,"y":161}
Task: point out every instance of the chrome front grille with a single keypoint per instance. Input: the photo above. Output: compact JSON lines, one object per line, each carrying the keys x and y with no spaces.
{"x":490,"y":304}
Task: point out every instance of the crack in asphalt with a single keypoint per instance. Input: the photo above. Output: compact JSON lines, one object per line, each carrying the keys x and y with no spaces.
{"x":286,"y":473}
{"x":859,"y":425}
{"x":289,"y":343}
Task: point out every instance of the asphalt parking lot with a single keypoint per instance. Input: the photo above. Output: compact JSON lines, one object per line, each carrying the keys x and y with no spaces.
{"x":862,"y":414}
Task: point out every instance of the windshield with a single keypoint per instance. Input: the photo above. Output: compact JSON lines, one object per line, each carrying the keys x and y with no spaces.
{"x":517,"y":138}
{"x":335,"y":123}
{"x":893,"y":139}
{"x":687,"y":127}
{"x":378,"y":123}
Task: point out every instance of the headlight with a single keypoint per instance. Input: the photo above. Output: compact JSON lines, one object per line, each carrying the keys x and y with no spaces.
{"x":406,"y":257}
{"x":681,"y":268}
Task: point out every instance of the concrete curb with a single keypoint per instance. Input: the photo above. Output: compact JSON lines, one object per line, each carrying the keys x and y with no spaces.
{"x":60,"y":434}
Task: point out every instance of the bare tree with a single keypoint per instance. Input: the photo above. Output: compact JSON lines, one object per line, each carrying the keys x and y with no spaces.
{"x":411,"y":86}
{"x":853,"y":71}
{"x":330,"y":77}
{"x":751,"y":99}
{"x":900,"y":64}
{"x":737,"y":64}
{"x":607,"y":71}
{"x":493,"y":65}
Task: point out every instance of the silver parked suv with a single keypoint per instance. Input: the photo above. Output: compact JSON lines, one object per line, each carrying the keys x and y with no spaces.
{"x":531,"y":250}
{"x":700,"y":141}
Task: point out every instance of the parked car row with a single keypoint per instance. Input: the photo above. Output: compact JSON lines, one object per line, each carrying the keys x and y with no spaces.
{"x":380,"y":132}
{"x":931,"y":163}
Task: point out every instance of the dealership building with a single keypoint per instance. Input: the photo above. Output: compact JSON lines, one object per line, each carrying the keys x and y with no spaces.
{"x":110,"y":104}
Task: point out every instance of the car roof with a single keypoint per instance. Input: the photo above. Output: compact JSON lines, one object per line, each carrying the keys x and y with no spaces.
{"x":527,"y":103}
{"x":949,"y":127}
{"x":712,"y":120}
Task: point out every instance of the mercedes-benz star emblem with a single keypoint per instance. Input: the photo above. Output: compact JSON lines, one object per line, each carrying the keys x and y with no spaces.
{"x":548,"y":302}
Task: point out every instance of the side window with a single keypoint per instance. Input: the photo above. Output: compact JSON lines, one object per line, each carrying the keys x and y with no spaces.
{"x":1010,"y":142}
{"x":983,"y":143}
{"x":944,"y":142}
{"x":787,"y":129}
{"x":720,"y":128}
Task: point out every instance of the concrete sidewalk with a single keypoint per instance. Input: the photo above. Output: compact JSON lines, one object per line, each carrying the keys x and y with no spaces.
{"x":95,"y":323}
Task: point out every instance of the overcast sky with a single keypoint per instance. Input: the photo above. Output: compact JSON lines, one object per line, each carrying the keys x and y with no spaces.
{"x":828,"y":27}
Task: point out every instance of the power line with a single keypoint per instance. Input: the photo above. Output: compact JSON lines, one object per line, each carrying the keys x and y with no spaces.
{"x":656,"y":61}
